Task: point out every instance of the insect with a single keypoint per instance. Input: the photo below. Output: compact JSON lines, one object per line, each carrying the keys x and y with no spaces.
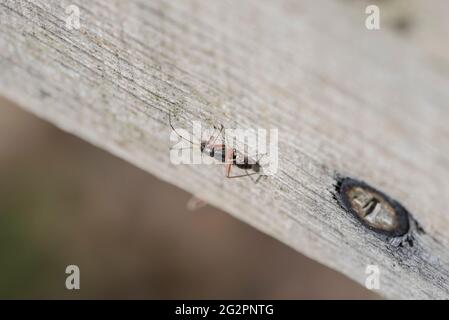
{"x":229,"y":156}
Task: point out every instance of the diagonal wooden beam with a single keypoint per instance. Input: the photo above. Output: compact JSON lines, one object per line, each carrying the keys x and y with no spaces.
{"x":347,"y":102}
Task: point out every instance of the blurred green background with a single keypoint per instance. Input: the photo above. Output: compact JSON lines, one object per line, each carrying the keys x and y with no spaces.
{"x":63,"y":201}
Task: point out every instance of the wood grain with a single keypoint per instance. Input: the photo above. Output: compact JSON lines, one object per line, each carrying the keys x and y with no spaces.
{"x":372,"y":105}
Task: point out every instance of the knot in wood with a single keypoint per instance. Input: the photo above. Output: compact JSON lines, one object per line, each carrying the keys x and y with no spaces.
{"x":373,"y":208}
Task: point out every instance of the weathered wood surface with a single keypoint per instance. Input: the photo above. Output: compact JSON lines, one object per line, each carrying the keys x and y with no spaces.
{"x":372,"y":105}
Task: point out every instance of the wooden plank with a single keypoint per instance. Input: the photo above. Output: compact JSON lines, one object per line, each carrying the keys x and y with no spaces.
{"x":346,"y":101}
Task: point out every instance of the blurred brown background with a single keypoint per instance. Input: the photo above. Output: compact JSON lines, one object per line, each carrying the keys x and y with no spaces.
{"x":63,"y":201}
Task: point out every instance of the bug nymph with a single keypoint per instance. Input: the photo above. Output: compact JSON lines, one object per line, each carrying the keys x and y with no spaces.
{"x":228,"y":156}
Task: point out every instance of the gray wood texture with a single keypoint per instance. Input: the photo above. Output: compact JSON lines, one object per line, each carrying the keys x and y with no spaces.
{"x":372,"y":105}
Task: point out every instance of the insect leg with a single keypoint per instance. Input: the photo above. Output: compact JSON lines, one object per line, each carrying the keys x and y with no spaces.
{"x":228,"y":161}
{"x":210,"y":139}
{"x":242,"y":175}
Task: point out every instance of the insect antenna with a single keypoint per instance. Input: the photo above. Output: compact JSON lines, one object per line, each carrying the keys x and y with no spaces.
{"x":171,"y":125}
